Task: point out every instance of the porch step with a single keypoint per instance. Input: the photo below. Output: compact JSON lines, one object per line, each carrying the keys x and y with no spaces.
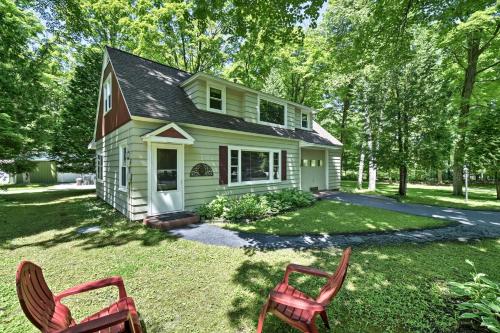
{"x":171,"y":220}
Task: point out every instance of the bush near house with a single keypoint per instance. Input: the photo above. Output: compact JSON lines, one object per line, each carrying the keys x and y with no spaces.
{"x":251,"y":206}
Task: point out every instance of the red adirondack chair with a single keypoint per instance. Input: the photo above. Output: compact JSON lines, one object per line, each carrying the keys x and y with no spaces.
{"x":49,"y":315}
{"x":298,"y":309}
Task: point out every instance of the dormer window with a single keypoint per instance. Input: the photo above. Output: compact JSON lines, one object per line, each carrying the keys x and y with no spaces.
{"x":305,"y":120}
{"x":216,"y":98}
{"x":106,"y":92}
{"x":272,"y":113}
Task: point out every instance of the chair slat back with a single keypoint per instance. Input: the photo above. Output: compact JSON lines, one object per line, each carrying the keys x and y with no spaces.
{"x":37,"y":301}
{"x":334,"y":283}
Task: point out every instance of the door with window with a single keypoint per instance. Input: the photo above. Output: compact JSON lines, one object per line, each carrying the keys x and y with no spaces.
{"x":167,"y":190}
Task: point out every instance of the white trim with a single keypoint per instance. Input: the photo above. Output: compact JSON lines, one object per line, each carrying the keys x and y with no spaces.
{"x":220,"y":87}
{"x":272,"y":100}
{"x":300,"y":168}
{"x":147,"y":119}
{"x":152,"y":136}
{"x":180,"y":148}
{"x":304,"y":144}
{"x":309,"y":122}
{"x":121,"y":146}
{"x":105,"y":62}
{"x":270,"y":180}
{"x":326,"y":170}
{"x":238,"y":86}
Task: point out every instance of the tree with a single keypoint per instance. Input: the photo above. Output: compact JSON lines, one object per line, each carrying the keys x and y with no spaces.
{"x":470,"y":30}
{"x":25,"y":87}
{"x":484,"y":142}
{"x":75,"y":128}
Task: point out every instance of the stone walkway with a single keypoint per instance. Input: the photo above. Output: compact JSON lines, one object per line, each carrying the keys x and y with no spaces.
{"x":469,"y":225}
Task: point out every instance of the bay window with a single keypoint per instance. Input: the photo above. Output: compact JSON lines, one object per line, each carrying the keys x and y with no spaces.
{"x":253,"y":165}
{"x":272,"y":112}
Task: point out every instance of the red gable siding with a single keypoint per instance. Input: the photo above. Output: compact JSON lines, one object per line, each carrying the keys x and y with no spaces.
{"x":118,"y":115}
{"x":172,"y":133}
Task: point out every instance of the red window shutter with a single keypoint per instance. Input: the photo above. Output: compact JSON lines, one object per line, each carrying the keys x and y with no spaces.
{"x":283,"y":165}
{"x":222,"y":165}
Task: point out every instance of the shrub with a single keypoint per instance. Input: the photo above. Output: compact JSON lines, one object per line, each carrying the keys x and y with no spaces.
{"x":252,"y":206}
{"x":249,"y":206}
{"x":214,"y":208}
{"x":482,"y":300}
{"x":289,"y":199}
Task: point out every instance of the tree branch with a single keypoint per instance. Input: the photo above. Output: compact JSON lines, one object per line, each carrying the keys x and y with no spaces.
{"x":485,"y":46}
{"x":458,"y":60}
{"x":488,"y":67}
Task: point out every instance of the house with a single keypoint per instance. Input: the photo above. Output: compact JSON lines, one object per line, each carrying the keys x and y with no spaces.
{"x":45,"y":171}
{"x":167,"y":140}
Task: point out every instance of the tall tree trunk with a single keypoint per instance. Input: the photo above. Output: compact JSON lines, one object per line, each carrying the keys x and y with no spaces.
{"x":372,"y":164}
{"x":497,"y":182}
{"x":346,"y":103}
{"x":440,"y":176}
{"x":467,"y":88}
{"x":403,"y":180}
{"x":361,"y":167}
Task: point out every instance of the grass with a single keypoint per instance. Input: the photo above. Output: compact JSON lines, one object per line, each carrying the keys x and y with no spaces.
{"x":23,"y":187}
{"x":184,"y":286}
{"x":331,"y":217}
{"x":481,"y":197}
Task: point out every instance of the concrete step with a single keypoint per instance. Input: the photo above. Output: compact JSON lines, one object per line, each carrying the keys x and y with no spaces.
{"x":171,"y":220}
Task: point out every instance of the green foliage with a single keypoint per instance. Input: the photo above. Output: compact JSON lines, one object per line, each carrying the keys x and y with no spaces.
{"x":246,"y":207}
{"x":251,"y":206}
{"x":482,"y":300}
{"x":74,"y":129}
{"x":288,"y":199}
{"x":213,"y":209}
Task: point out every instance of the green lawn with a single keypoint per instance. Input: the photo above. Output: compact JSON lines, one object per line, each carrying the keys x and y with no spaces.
{"x":331,"y":217}
{"x":480,"y":197}
{"x":183,"y":286}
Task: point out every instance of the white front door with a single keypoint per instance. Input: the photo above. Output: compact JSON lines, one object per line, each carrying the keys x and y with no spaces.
{"x":166,"y":178}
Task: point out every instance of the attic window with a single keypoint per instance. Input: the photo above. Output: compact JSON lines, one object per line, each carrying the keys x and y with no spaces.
{"x":216,"y":96}
{"x":106,"y":94}
{"x":305,"y":120}
{"x":272,"y":113}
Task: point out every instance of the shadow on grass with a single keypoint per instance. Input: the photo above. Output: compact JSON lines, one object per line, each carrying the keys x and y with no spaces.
{"x":56,"y":217}
{"x":395,"y":288}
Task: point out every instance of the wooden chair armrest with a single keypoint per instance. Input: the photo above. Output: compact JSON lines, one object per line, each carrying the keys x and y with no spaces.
{"x":304,"y":270}
{"x":299,"y":303}
{"x":101,"y":323}
{"x":111,"y":281}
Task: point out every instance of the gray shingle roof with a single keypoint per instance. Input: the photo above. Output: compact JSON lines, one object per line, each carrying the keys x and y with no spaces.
{"x":152,"y":90}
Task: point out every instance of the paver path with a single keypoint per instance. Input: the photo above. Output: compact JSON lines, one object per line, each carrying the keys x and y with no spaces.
{"x":470,"y":224}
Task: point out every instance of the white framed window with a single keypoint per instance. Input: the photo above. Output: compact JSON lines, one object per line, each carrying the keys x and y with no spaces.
{"x":305,"y":120}
{"x":99,"y":167}
{"x":272,"y":112}
{"x":216,"y":98}
{"x":123,"y":171}
{"x":106,"y":94}
{"x":248,"y":165}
